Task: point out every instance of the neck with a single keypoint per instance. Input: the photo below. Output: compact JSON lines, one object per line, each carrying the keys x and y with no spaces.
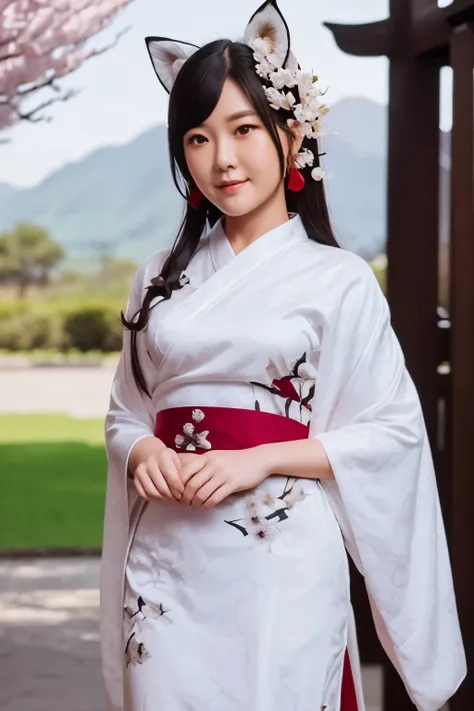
{"x":243,"y":230}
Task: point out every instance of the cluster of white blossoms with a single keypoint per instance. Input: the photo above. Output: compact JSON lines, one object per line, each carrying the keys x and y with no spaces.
{"x":308,"y":112}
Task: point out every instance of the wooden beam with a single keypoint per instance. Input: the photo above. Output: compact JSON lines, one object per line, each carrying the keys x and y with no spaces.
{"x":370,"y":40}
{"x":426,"y":29}
{"x":462,"y":342}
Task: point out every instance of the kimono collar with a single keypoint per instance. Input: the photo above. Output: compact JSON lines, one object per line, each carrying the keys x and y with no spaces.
{"x":221,"y":250}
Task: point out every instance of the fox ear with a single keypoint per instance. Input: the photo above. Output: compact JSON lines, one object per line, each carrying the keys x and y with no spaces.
{"x":167,"y":57}
{"x":268,"y":24}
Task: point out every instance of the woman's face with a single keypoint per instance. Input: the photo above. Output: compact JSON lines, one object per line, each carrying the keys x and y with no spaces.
{"x":231,"y":156}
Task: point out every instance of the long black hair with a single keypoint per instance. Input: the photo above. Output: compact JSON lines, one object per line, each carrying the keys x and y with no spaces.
{"x":194,"y":96}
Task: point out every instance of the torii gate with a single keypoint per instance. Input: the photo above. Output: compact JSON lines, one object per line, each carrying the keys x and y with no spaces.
{"x":419,"y":38}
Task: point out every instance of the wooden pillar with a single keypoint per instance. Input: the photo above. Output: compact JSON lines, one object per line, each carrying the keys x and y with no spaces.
{"x":412,"y":247}
{"x":413,"y":221}
{"x":462,"y":344}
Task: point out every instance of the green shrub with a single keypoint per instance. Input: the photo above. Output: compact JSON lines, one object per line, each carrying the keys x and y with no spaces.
{"x":23,"y":329}
{"x":62,"y":325}
{"x":93,"y":328}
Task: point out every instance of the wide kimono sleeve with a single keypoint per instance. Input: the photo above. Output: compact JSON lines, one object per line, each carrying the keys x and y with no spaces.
{"x":129,"y":419}
{"x":368,"y":417}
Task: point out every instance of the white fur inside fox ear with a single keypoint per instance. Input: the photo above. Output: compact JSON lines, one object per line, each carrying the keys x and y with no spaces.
{"x":268,"y":24}
{"x":167,"y":57}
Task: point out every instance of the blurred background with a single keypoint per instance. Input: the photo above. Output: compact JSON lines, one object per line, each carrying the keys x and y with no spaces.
{"x":85,"y":194}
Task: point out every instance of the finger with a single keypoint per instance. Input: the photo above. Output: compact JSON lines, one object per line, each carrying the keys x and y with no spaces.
{"x":171,"y":476}
{"x":154,"y":472}
{"x":176,"y":459}
{"x":192,"y":468}
{"x":194,"y":484}
{"x":218,"y":496}
{"x":206,"y":491}
{"x":149,"y":488}
{"x":140,"y":490}
{"x":186,"y":457}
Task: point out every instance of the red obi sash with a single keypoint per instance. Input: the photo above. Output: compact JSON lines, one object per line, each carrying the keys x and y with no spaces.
{"x":200,"y":429}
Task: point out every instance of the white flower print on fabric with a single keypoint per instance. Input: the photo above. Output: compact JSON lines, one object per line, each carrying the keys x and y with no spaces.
{"x":189,"y":429}
{"x":192,"y":440}
{"x":261,"y":525}
{"x":269,"y":499}
{"x":136,"y":651}
{"x":264,"y":532}
{"x":294,"y":496}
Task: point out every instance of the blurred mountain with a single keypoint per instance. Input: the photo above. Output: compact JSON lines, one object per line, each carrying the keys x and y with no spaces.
{"x":121,"y":200}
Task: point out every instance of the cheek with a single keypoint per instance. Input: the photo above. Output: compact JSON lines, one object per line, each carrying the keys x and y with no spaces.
{"x":262,"y":157}
{"x":197,"y":163}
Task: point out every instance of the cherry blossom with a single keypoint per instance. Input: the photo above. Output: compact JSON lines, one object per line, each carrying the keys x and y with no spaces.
{"x":42,"y":41}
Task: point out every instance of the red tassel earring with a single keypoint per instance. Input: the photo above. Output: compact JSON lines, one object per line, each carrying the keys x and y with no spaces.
{"x":195,"y":197}
{"x":296,"y":181}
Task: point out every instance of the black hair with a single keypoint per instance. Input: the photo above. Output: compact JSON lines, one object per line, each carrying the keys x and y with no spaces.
{"x":194,"y":96}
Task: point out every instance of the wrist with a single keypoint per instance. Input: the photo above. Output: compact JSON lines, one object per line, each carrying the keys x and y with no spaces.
{"x":143,"y":449}
{"x":268,"y":458}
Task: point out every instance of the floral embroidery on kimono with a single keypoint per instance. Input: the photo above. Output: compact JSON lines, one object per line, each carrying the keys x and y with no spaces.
{"x":136,"y":651}
{"x":190,"y":439}
{"x":264,"y":512}
{"x":298,"y":386}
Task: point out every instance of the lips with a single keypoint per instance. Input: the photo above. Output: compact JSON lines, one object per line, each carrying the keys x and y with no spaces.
{"x":231,"y":185}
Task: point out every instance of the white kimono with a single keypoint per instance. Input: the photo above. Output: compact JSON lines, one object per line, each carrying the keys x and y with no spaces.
{"x":239,"y":322}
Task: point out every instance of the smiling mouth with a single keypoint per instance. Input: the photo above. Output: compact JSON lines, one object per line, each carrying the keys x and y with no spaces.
{"x":231,"y":185}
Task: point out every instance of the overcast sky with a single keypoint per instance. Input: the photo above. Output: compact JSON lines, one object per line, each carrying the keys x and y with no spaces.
{"x":121,"y":96}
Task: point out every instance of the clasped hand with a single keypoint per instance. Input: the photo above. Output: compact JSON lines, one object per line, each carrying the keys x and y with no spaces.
{"x":202,"y":480}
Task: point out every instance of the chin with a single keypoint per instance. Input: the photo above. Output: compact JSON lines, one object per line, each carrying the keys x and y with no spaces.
{"x":238,"y":208}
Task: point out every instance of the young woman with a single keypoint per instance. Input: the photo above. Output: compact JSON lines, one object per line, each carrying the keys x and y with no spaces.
{"x":261,"y":422}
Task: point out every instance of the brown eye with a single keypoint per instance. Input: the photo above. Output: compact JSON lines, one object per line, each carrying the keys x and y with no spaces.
{"x":245,"y":130}
{"x":197,"y":139}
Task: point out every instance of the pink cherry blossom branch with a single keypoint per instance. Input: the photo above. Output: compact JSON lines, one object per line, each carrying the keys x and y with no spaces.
{"x":42,"y":41}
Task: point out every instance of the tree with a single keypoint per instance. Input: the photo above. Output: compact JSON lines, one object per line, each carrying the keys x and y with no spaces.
{"x":115,"y":270}
{"x":28,"y":256}
{"x":42,"y":41}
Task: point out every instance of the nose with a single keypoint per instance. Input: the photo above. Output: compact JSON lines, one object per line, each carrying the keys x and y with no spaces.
{"x":225,"y":158}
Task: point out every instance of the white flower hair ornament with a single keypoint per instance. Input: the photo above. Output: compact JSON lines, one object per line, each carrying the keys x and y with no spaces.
{"x":286,"y":86}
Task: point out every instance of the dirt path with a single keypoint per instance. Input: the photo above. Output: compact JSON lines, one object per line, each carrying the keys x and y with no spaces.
{"x":49,"y":650}
{"x":49,"y":636}
{"x":79,"y":391}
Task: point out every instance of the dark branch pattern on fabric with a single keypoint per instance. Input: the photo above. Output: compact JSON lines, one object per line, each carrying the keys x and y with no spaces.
{"x":298,"y":386}
{"x":136,"y":651}
{"x":261,"y":525}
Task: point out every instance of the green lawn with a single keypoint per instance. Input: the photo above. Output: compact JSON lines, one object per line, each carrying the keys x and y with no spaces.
{"x":52,"y":477}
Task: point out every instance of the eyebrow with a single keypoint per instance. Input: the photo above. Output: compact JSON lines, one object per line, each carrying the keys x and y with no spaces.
{"x":241,"y":114}
{"x":233,"y":117}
